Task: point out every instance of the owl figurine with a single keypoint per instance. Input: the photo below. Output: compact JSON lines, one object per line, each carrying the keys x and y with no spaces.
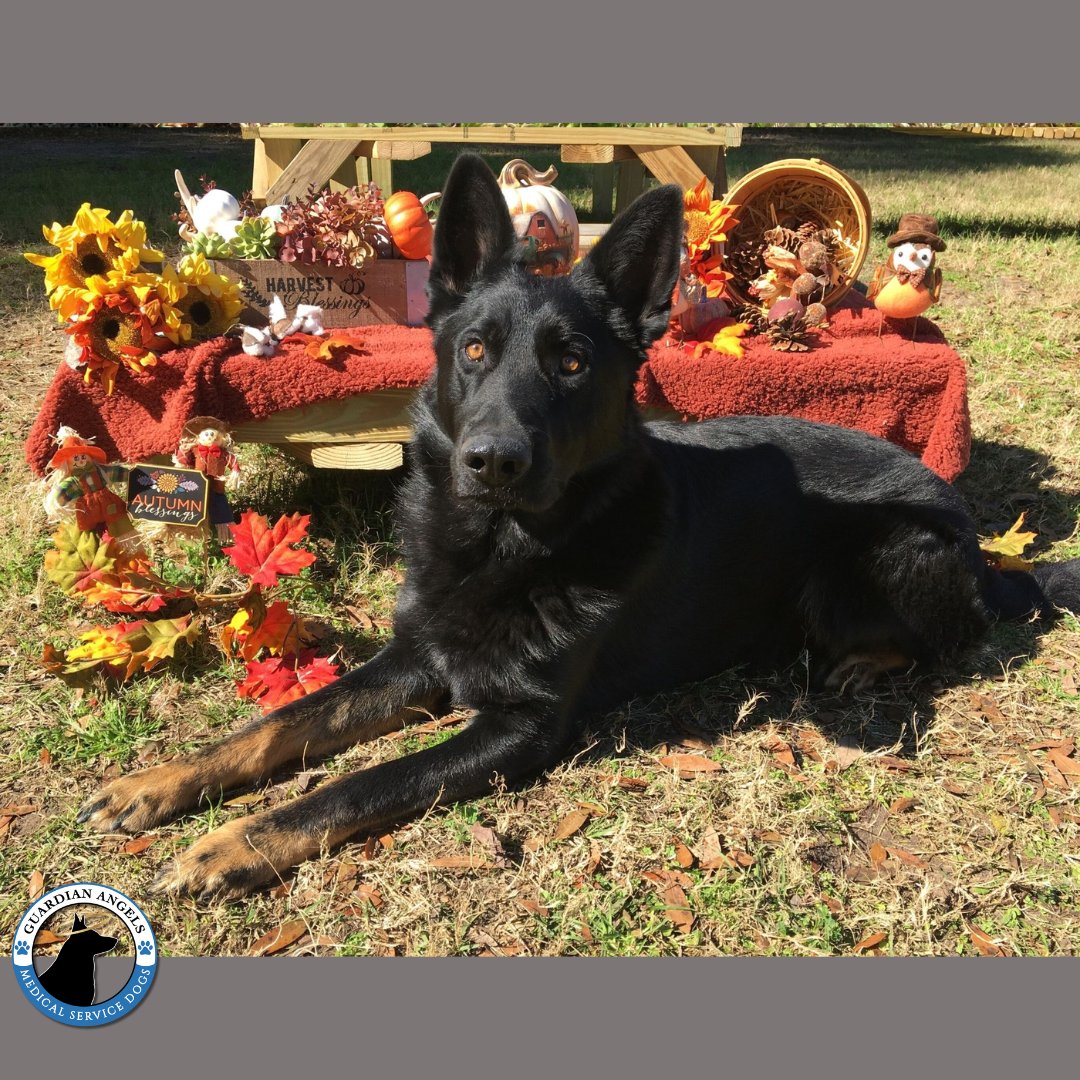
{"x":905,"y":286}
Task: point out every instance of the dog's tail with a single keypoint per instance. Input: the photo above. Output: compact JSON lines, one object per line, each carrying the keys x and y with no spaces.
{"x":1016,"y":594}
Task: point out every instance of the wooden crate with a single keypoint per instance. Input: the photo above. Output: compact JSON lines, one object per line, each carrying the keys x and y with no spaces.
{"x":383,"y":291}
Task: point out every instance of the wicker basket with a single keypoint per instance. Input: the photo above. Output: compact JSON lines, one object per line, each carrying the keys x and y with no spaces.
{"x":809,"y":190}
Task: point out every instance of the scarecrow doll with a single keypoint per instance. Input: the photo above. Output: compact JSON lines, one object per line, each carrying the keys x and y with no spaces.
{"x":82,"y":476}
{"x":206,"y":444}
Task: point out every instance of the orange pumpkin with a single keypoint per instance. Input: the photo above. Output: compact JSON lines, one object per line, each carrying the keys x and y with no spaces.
{"x":408,"y":223}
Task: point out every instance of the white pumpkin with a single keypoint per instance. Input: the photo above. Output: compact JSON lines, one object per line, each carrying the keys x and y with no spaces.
{"x":215,"y":211}
{"x":529,"y":193}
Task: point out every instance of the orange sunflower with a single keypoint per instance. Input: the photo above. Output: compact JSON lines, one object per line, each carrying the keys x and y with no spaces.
{"x":707,"y":224}
{"x":113,"y":332}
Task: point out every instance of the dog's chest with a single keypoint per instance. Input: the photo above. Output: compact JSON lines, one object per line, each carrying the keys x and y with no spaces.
{"x":505,"y":634}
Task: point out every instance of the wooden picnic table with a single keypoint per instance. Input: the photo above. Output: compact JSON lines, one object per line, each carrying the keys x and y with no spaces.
{"x":290,"y":158}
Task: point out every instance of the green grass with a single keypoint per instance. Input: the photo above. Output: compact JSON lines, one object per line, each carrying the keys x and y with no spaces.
{"x":996,"y":862}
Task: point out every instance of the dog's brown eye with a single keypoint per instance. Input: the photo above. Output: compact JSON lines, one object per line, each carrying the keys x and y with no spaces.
{"x":475,"y":350}
{"x":571,"y":364}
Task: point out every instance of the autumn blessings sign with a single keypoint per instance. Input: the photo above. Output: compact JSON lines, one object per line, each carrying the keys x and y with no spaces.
{"x":162,"y":493}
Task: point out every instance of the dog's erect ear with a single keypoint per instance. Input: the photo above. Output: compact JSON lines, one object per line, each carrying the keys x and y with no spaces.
{"x":473,"y":236}
{"x":637,"y":262}
{"x":78,"y":924}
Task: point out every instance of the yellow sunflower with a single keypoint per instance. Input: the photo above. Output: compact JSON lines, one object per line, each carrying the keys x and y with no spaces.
{"x":160,"y":297}
{"x":706,"y":222}
{"x":91,"y":246}
{"x":211,"y":302}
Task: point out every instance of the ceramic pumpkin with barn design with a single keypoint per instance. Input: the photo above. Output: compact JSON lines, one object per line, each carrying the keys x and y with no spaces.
{"x":544,"y":218}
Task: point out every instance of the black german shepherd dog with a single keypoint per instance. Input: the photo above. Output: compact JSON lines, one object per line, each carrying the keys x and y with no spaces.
{"x":564,"y":557}
{"x":72,"y":976}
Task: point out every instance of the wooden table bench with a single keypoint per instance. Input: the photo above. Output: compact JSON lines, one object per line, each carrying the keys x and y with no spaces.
{"x":290,"y":158}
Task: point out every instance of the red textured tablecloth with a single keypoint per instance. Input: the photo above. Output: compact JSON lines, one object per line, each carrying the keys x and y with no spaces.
{"x":913,"y":393}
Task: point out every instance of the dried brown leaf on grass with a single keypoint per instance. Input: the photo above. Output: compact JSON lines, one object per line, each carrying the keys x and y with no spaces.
{"x":490,"y":842}
{"x":871,"y":942}
{"x":280,"y":938}
{"x":1064,"y":764}
{"x":364,"y":893}
{"x":463,"y":862}
{"x":984,"y":706}
{"x":985,"y":944}
{"x":677,"y":908}
{"x":710,"y":853}
{"x":36,"y":886}
{"x":689,"y":765}
{"x":138,"y":845}
{"x":907,"y":857}
{"x":570,"y":824}
{"x":594,"y":858}
{"x":889,"y":761}
{"x":683,"y":855}
{"x":627,"y":783}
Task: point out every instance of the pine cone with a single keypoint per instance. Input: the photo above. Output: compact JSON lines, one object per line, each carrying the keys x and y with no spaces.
{"x":744,"y":259}
{"x":782,"y":236}
{"x":755,"y":315}
{"x":831,"y":242}
{"x":789,"y":334}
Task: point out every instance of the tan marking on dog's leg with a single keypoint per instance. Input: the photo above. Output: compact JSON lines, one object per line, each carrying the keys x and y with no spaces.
{"x":846,"y":674}
{"x":239,"y":857}
{"x":145,"y":799}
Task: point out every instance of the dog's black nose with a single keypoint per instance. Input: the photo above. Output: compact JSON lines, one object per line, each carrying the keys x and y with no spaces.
{"x":497,"y":462}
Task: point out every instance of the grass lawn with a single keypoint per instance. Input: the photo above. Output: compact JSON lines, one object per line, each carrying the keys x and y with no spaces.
{"x":927,"y":816}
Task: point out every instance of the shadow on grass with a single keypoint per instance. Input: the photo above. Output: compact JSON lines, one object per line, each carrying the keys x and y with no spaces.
{"x":867,"y":148}
{"x":1004,"y":480}
{"x":1005,"y":230}
{"x":893,"y":716}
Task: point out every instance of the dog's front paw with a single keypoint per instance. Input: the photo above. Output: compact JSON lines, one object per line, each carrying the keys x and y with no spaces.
{"x":223,"y":865}
{"x":142,"y":800}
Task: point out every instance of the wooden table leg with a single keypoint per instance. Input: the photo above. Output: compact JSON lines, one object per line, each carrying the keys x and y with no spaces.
{"x":272,"y":157}
{"x":672,"y":165}
{"x":631,"y":182}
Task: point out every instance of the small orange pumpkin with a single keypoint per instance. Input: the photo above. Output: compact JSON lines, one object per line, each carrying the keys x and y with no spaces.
{"x":409,"y":226}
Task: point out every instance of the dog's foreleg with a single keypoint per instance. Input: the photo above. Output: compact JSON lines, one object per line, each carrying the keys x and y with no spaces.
{"x":252,"y":850}
{"x":363,"y":704}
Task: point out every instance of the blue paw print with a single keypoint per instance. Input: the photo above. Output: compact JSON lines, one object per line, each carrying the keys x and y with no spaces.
{"x":22,"y":948}
{"x":145,"y":948}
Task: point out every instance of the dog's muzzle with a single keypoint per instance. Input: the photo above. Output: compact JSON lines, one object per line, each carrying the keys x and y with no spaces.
{"x":495,"y":461}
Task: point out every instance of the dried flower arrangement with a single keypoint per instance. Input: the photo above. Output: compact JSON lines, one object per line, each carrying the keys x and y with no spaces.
{"x":335,"y":228}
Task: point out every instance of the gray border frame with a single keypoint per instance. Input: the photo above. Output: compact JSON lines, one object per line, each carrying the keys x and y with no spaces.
{"x":405,"y":1017}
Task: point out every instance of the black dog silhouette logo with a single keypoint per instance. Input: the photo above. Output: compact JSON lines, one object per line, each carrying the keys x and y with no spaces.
{"x":72,"y":976}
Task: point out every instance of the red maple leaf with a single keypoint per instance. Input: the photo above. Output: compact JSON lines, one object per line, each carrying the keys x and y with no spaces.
{"x":282,"y":679}
{"x":263,"y":552}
